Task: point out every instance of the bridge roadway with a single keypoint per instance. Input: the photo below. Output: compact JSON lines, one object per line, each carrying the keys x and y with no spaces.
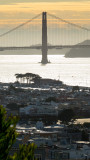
{"x":49,"y":47}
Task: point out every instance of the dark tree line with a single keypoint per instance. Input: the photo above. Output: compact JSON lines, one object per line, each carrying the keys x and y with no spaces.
{"x":67,"y":116}
{"x":27,"y":77}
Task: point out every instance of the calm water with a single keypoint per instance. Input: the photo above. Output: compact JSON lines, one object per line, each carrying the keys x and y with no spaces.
{"x":71,"y":71}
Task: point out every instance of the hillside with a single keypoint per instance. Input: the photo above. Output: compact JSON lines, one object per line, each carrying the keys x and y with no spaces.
{"x":79,"y":52}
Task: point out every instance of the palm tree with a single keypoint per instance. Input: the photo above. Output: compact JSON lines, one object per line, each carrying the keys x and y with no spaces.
{"x":17,"y":77}
{"x":27,"y":77}
{"x":30,"y":77}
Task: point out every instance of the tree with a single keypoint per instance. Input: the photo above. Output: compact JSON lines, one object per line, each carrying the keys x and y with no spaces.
{"x":26,"y":152}
{"x":67,"y":116}
{"x":29,"y":77}
{"x":49,"y":99}
{"x":12,"y":106}
{"x":7,"y":133}
{"x":8,"y":136}
{"x":75,"y":88}
{"x":85,"y":135}
{"x":86,"y":125}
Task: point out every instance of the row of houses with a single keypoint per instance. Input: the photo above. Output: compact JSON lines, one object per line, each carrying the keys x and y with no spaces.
{"x":54,"y":142}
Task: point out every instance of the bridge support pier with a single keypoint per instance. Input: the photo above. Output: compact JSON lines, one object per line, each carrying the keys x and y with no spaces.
{"x":44,"y":38}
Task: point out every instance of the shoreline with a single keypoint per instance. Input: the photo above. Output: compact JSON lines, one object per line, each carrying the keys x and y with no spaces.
{"x":64,"y":96}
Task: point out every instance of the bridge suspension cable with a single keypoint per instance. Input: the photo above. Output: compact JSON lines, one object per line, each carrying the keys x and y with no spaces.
{"x":73,"y":24}
{"x":20,"y":25}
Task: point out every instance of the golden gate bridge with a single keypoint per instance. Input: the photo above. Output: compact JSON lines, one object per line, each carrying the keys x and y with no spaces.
{"x":45,"y":31}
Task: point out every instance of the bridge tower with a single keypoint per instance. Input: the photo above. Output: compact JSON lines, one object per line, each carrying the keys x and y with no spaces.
{"x":44,"y":38}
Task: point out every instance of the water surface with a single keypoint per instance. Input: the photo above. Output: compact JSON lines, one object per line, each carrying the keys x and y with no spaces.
{"x":72,"y":71}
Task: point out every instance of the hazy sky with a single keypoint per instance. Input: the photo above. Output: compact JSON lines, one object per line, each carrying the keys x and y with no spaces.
{"x":18,"y":10}
{"x":14,"y":12}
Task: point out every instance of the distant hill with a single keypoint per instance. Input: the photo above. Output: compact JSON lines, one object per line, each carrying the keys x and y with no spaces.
{"x":34,"y":52}
{"x":79,"y":52}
